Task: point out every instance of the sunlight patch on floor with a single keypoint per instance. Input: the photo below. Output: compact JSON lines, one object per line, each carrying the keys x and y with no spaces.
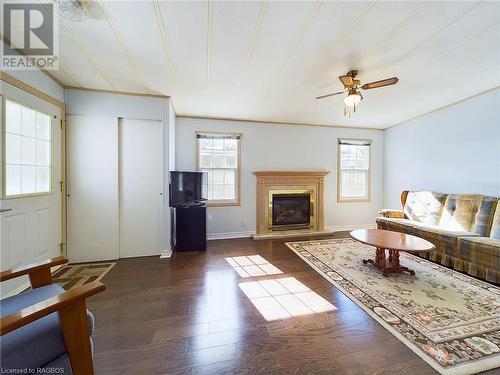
{"x":252,"y":265}
{"x":284,"y":298}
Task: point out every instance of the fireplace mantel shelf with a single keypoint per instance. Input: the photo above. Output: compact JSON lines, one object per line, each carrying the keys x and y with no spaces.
{"x":292,"y":173}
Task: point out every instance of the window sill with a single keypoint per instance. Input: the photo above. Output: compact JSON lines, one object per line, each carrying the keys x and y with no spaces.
{"x":353,"y":200}
{"x":223,"y":204}
{"x":6,"y":197}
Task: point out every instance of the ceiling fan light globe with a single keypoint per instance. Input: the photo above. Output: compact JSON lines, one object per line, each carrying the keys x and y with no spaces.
{"x":73,"y":10}
{"x":352,"y":100}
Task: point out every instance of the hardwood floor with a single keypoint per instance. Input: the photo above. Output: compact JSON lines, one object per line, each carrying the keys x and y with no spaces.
{"x":188,"y":315}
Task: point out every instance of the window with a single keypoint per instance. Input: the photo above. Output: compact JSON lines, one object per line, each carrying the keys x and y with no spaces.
{"x":353,"y":172}
{"x":219,"y":156}
{"x":27,"y":155}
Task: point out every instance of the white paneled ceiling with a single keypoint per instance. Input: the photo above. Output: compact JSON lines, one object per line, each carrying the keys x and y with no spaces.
{"x":268,"y":60}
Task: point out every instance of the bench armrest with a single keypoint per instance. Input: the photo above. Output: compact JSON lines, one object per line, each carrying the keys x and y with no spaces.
{"x":39,"y":272}
{"x":31,"y":313}
{"x":394,"y":214}
{"x":72,"y":311}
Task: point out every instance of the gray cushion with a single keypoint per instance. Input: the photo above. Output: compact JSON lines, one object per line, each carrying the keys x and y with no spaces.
{"x":61,"y":364}
{"x":39,"y":342}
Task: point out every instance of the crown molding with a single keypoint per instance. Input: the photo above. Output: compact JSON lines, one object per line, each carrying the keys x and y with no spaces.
{"x":117,"y":92}
{"x":264,"y":122}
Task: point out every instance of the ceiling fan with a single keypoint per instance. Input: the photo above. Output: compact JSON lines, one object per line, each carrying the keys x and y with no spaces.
{"x":352,"y":87}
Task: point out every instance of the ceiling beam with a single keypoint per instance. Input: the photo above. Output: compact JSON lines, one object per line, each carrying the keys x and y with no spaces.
{"x":122,"y":45}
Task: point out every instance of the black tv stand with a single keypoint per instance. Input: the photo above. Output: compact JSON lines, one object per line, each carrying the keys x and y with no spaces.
{"x":189,"y":227}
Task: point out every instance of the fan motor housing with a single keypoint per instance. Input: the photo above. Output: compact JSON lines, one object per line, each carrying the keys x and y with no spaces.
{"x":352,"y":73}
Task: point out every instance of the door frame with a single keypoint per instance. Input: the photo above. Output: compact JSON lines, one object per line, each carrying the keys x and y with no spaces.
{"x":62,"y":184}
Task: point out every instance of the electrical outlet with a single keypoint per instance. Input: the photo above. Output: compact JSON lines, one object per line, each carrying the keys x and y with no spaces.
{"x":243,"y":223}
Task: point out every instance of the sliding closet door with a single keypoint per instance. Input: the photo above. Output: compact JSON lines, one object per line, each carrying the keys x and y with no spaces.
{"x":141,"y":187}
{"x":93,"y":204}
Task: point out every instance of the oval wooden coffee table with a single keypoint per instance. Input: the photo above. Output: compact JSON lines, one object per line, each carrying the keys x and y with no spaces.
{"x":394,"y":242}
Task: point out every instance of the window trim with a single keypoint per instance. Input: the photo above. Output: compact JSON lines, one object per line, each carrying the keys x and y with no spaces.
{"x":340,"y":199}
{"x":4,"y":195}
{"x":222,"y":203}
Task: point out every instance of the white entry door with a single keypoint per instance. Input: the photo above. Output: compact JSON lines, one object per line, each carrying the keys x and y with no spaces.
{"x":31,"y":230}
{"x":141,"y":187}
{"x":92,"y":175}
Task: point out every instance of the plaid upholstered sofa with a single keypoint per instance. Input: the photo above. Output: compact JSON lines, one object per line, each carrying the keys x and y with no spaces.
{"x":465,"y":228}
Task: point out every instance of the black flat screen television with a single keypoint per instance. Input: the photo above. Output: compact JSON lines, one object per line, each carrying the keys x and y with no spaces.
{"x":187,"y":188}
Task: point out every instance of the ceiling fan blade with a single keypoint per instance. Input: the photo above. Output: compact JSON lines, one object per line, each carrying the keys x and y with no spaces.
{"x":326,"y":96}
{"x":381,"y":83}
{"x":347,"y":81}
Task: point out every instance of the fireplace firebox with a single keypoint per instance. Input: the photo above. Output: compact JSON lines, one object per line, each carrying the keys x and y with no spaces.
{"x":291,"y":209}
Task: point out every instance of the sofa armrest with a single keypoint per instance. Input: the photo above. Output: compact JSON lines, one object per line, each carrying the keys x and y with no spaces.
{"x":39,"y":272}
{"x":72,"y":311}
{"x":394,"y":214}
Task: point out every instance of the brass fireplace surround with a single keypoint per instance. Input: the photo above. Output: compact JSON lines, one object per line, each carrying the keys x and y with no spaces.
{"x":289,"y":182}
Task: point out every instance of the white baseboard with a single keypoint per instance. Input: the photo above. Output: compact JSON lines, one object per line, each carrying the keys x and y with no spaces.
{"x":337,"y":228}
{"x":223,"y":236}
{"x":165,"y":254}
{"x":342,"y":228}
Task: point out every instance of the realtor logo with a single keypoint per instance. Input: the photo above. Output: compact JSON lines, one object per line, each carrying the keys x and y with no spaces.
{"x":30,"y":32}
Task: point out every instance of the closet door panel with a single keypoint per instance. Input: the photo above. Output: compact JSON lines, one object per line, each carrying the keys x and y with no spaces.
{"x":141,"y":187}
{"x":93,"y":194}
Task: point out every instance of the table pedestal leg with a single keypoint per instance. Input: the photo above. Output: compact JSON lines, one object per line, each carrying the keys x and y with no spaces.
{"x":391,"y":265}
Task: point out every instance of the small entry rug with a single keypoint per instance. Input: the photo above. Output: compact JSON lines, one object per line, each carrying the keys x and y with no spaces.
{"x":450,"y":320}
{"x":74,"y":275}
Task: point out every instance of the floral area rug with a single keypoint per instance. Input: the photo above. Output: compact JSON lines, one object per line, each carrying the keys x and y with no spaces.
{"x":450,"y":320}
{"x":74,"y":275}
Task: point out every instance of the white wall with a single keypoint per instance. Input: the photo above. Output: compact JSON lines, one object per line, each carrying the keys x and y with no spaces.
{"x":286,"y":147}
{"x":93,"y":103}
{"x":40,"y":81}
{"x":90,"y":103}
{"x":453,"y":150}
{"x":168,"y":165}
{"x":171,"y":137}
